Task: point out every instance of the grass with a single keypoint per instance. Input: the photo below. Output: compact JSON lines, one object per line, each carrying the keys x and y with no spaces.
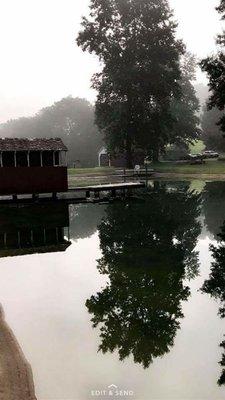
{"x":211,"y":167}
{"x":90,"y":171}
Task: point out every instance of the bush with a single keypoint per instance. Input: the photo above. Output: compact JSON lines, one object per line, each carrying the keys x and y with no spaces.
{"x":175,"y":153}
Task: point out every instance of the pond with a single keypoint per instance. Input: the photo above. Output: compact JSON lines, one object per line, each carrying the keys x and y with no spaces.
{"x":125,"y":299}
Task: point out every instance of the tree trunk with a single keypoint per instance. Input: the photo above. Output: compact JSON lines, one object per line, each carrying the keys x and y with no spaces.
{"x":129,"y":158}
{"x":155,"y":155}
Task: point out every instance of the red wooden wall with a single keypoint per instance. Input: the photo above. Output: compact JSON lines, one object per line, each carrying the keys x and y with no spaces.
{"x":28,"y":180}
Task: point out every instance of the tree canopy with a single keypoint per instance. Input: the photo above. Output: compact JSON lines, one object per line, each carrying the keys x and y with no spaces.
{"x":215,"y":68}
{"x":185,"y":109}
{"x":71,"y":119}
{"x":135,"y":40}
{"x":212,"y":135}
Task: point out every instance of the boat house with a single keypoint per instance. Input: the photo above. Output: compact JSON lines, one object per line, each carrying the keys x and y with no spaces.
{"x":32,"y":166}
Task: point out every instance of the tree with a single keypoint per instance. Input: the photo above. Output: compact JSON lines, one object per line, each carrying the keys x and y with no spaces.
{"x":71,"y":119}
{"x":211,"y":133}
{"x":202,"y":93}
{"x":215,"y":68}
{"x":136,"y":44}
{"x":185,"y":109}
{"x":212,"y":198}
{"x":215,"y":286}
{"x":139,"y":310}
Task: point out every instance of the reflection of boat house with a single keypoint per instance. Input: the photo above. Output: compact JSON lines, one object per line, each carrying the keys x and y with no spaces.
{"x":32,"y":166}
{"x":33,"y":229}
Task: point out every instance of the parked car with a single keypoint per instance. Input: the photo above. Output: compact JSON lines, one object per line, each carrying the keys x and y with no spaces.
{"x":210,"y":154}
{"x":190,"y":156}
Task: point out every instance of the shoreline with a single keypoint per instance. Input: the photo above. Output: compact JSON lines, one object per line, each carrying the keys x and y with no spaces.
{"x":16,"y":378}
{"x":83,"y":180}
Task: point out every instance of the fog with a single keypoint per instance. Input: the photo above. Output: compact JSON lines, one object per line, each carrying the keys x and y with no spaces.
{"x":40,"y":62}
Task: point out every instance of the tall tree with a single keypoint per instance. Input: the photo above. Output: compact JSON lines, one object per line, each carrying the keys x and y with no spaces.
{"x":215,"y":68}
{"x":136,"y":44}
{"x":185,"y":109}
{"x":211,"y":133}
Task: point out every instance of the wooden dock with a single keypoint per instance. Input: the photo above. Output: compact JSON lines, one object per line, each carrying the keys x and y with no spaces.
{"x":90,"y":193}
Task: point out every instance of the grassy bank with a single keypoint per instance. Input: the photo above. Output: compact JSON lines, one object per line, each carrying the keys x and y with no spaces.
{"x":211,"y":167}
{"x":90,"y":176}
{"x":91,"y":171}
{"x":211,"y":170}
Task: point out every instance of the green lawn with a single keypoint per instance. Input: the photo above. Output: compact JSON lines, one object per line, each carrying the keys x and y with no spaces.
{"x":91,"y":171}
{"x":210,"y":167}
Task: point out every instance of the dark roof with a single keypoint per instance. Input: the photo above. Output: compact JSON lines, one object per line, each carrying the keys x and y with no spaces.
{"x":15,"y":144}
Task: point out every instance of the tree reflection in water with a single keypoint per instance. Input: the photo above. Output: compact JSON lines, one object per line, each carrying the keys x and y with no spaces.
{"x":147,"y":249}
{"x":215,"y":286}
{"x":213,"y":196}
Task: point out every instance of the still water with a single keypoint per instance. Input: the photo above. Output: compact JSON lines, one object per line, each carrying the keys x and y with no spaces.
{"x":120,"y":300}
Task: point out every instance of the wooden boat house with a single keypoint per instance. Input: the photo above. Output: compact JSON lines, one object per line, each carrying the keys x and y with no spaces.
{"x":32,"y":166}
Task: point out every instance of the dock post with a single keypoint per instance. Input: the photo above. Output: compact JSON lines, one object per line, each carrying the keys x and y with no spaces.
{"x":87,"y":194}
{"x":113,"y":193}
{"x":96,"y":194}
{"x":54,"y":196}
{"x":5,"y":239}
{"x":31,"y":237}
{"x":34,"y":196}
{"x":18,"y":239}
{"x":57,"y":235}
{"x":14,"y":197}
{"x":146,"y":174}
{"x":129,"y":192}
{"x":44,"y":231}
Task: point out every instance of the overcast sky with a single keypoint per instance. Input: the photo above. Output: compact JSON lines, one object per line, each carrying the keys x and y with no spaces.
{"x":40,"y":62}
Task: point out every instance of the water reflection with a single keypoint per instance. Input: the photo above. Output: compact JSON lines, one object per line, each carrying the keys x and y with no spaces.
{"x":147,"y":251}
{"x":213,"y":198}
{"x":215,"y":285}
{"x":84,"y":219}
{"x":33,"y":229}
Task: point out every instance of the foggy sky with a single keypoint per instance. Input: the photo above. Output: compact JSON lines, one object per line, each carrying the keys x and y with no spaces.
{"x":40,"y":62}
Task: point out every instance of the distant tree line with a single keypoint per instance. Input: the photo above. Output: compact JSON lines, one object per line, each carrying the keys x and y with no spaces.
{"x":71,"y":119}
